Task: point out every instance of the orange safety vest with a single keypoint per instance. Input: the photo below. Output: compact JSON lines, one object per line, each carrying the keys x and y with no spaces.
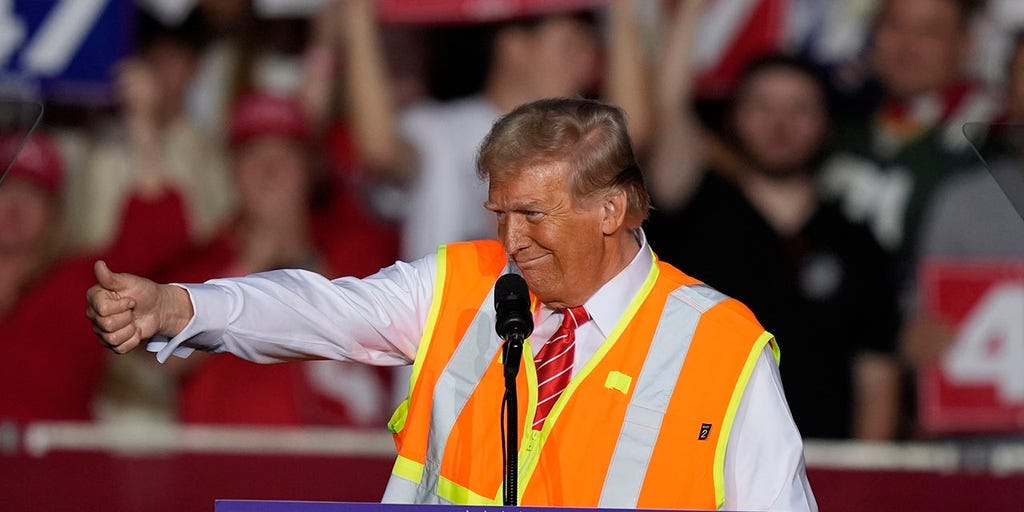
{"x":644,"y":424}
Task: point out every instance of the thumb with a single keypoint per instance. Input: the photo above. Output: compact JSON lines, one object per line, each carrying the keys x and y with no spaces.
{"x":107,"y":279}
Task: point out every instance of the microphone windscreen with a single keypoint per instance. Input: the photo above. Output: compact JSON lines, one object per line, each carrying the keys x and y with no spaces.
{"x":512,"y":306}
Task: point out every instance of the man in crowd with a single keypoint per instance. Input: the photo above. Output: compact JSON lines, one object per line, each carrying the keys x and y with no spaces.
{"x":428,"y":148}
{"x":992,"y":230}
{"x":275,"y":227}
{"x":665,"y":370}
{"x":152,"y":146}
{"x":817,"y":280}
{"x":747,"y":220}
{"x":894,"y":153}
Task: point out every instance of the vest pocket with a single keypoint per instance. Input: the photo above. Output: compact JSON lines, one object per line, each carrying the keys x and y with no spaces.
{"x":397,"y":421}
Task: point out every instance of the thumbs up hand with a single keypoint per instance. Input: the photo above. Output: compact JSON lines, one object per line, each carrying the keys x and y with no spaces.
{"x":127,"y":310}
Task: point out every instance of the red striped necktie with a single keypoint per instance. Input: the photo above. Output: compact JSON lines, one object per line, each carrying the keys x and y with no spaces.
{"x":554,"y":362}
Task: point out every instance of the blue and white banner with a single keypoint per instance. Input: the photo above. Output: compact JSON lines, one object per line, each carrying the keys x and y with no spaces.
{"x":62,"y":49}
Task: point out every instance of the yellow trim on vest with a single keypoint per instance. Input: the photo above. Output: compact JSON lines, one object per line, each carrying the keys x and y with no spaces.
{"x":531,"y":387}
{"x":531,"y":457}
{"x":460,"y":495}
{"x":408,"y":469}
{"x":397,"y":421}
{"x":451,"y":491}
{"x":527,"y":443}
{"x":730,"y":413}
{"x":618,"y":381}
{"x":776,"y":351}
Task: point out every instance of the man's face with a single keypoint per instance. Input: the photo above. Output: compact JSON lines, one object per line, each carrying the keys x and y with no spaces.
{"x":780,"y":120}
{"x":272,"y":177}
{"x":556,"y":240}
{"x":26,"y":215}
{"x":174,"y":66}
{"x":560,"y":58}
{"x":918,"y":45}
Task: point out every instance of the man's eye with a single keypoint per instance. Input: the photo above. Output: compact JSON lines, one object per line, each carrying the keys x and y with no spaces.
{"x":532,"y":214}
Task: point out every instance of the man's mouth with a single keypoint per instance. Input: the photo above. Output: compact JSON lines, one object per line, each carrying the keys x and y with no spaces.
{"x":528,"y":261}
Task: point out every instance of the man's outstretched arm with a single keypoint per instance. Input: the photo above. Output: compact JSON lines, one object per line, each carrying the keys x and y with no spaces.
{"x":272,"y":316}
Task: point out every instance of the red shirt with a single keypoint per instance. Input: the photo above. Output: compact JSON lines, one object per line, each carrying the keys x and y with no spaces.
{"x":228,"y":390}
{"x":52,"y":363}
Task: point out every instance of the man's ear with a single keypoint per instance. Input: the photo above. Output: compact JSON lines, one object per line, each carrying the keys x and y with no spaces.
{"x":613,"y":211}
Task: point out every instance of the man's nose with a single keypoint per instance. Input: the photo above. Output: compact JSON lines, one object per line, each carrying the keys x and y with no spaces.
{"x":513,"y":234}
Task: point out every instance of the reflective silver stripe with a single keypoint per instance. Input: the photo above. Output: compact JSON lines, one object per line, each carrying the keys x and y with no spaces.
{"x":399,"y":490}
{"x":465,"y":369}
{"x":460,"y":377}
{"x":701,"y":296}
{"x":403,"y":490}
{"x":652,"y":394}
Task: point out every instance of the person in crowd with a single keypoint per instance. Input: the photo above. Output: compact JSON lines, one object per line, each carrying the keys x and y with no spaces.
{"x":993,"y":229}
{"x":275,"y":227}
{"x":893,"y":151}
{"x":427,"y":151}
{"x":618,"y":404}
{"x":152,"y":146}
{"x":757,"y":231}
{"x":429,"y":148}
{"x":988,"y":229}
{"x":44,"y":372}
{"x":345,"y":195}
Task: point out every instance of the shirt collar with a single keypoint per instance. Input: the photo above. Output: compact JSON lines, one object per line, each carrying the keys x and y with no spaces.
{"x":609,"y":303}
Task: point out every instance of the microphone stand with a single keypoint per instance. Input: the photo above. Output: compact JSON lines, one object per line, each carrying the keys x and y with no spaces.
{"x":513,"y":323}
{"x":513,"y":353}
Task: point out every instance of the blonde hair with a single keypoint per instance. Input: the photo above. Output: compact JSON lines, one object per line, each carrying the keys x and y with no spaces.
{"x":588,"y":136}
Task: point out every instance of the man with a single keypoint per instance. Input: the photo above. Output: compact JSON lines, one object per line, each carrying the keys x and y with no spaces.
{"x":992,"y":231}
{"x":428,"y":149}
{"x":767,"y":239}
{"x":897,"y":150}
{"x":688,"y":373}
{"x":151,"y":146}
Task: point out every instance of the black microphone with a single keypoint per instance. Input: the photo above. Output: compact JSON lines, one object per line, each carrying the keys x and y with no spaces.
{"x":513,"y":322}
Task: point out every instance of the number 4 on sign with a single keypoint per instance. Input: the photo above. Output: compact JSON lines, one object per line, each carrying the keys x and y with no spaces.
{"x":989,"y":349}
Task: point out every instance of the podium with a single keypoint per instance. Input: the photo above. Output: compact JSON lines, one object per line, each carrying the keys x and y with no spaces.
{"x":338,"y":506}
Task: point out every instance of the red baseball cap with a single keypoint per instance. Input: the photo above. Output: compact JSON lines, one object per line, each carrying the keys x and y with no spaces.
{"x":260,"y":114}
{"x":38,"y":161}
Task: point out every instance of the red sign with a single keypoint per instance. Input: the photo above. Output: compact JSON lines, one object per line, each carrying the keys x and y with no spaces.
{"x":978,"y":385}
{"x":473,"y":11}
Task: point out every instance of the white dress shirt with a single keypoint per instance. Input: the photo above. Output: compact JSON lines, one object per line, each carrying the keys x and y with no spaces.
{"x":293,"y":314}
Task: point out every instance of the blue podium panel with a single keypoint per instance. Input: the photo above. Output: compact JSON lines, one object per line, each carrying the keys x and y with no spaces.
{"x":336,"y":506}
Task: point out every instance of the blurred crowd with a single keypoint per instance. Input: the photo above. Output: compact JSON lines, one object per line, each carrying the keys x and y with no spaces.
{"x":808,"y":187}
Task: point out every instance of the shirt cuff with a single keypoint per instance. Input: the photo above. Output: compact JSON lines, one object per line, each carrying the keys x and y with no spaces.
{"x":210,"y":306}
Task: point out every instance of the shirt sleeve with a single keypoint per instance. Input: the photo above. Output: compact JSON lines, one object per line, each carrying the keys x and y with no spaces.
{"x":290,"y":315}
{"x":764,"y":459}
